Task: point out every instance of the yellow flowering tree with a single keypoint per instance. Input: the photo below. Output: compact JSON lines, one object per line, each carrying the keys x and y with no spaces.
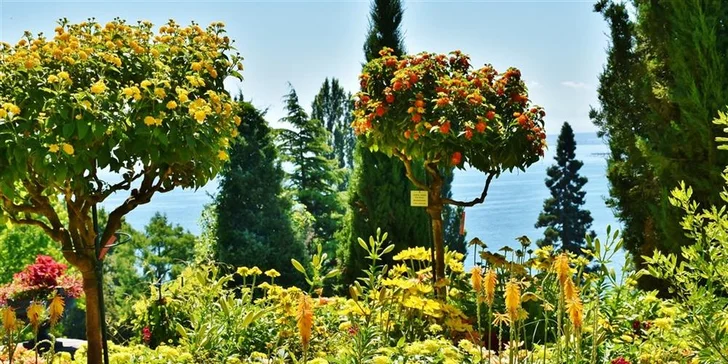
{"x":148,"y":106}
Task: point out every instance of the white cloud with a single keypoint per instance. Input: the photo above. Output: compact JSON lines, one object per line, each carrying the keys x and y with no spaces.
{"x":533,"y":84}
{"x":575,"y":85}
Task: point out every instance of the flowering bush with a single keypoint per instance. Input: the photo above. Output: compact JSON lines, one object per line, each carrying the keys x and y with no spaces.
{"x":41,"y":279}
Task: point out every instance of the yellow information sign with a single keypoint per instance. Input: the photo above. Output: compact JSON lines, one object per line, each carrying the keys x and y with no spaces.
{"x":418,"y":198}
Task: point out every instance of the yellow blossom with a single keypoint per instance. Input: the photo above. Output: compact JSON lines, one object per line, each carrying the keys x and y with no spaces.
{"x":99,"y":87}
{"x":146,"y":83}
{"x":223,"y":156}
{"x":68,"y":149}
{"x":53,"y":79}
{"x":34,"y":313}
{"x":53,"y":148}
{"x":3,"y":113}
{"x":160,"y":93}
{"x":56,"y":309}
{"x":200,"y":116}
{"x":664,"y":323}
{"x":272,"y":273}
{"x":476,"y":279}
{"x":10,"y":321}
{"x":171,"y":105}
{"x":196,"y":66}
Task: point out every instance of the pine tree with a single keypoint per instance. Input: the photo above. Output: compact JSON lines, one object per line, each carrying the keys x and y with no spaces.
{"x":314,"y":177}
{"x":379,"y":191}
{"x":253,"y":223}
{"x":564,"y":219}
{"x":333,"y":107}
{"x":659,"y":93}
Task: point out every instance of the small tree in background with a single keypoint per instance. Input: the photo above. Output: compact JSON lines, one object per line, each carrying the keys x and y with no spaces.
{"x":150,"y":108}
{"x":437,"y":109}
{"x":564,"y":219}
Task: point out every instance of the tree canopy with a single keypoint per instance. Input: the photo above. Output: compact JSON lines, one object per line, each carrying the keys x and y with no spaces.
{"x":149,"y":107}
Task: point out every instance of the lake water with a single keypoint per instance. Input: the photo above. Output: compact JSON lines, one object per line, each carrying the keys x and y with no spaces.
{"x":510,"y":210}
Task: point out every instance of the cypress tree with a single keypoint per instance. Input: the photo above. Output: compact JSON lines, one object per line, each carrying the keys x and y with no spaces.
{"x":253,"y":223}
{"x":379,"y":191}
{"x":662,"y":86}
{"x":314,"y":177}
{"x":564,"y":219}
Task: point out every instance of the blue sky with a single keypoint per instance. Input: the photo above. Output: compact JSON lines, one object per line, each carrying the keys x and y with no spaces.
{"x":559,"y":46}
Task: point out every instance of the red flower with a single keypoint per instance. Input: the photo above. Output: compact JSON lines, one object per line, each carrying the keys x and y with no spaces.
{"x":146,"y":334}
{"x":620,"y":360}
{"x":456,"y":158}
{"x":490,"y":115}
{"x":480,"y":127}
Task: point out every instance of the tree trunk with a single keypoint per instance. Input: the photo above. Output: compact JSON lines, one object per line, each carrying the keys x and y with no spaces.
{"x":438,"y":242}
{"x":93,"y":316}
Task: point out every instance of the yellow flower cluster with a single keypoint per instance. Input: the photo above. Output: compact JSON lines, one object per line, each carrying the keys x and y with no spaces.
{"x":417,"y":253}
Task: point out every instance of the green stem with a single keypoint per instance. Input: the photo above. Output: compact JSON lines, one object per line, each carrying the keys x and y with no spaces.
{"x":490,"y":330}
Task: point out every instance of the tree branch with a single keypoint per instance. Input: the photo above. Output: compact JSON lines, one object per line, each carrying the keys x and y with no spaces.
{"x":138,"y":197}
{"x":475,"y":201}
{"x":408,"y":168}
{"x":28,"y":221}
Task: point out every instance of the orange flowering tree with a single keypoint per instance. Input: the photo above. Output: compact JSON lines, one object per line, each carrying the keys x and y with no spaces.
{"x":438,"y":109}
{"x":148,"y":106}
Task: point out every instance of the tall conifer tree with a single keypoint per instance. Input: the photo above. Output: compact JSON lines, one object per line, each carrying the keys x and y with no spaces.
{"x":253,"y":223}
{"x":658,"y":93}
{"x":379,"y":191}
{"x":333,"y":106}
{"x":565,"y":221}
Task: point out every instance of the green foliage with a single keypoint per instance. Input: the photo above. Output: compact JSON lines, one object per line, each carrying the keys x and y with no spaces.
{"x":19,"y":245}
{"x":662,"y":85}
{"x":168,"y":248}
{"x":563,"y":217}
{"x":253,"y":226}
{"x":697,"y":278}
{"x":314,"y":177}
{"x":333,"y":106}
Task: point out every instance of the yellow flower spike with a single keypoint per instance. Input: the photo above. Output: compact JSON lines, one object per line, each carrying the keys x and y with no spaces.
{"x":491,"y":279}
{"x":576,"y":311}
{"x":99,"y":87}
{"x":476,"y":279}
{"x":10,"y":320}
{"x":570,"y":291}
{"x":513,"y":299}
{"x":561,"y":267}
{"x":56,"y":309}
{"x":304,"y":317}
{"x":68,"y":149}
{"x":53,"y":148}
{"x":34,"y":313}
